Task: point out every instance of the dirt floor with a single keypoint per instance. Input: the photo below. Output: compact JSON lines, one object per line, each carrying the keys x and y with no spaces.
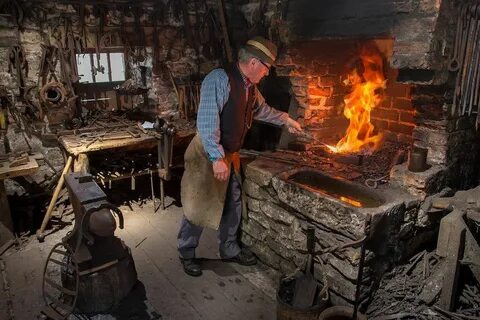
{"x":163,"y":291}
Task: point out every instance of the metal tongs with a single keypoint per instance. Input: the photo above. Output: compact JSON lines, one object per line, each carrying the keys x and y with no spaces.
{"x":308,"y":137}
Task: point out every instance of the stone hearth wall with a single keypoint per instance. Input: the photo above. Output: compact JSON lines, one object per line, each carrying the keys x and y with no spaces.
{"x":278,"y":213}
{"x":452,"y":141}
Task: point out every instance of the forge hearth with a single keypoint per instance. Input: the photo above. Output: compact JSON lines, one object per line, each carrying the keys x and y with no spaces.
{"x":406,"y":112}
{"x":335,"y":187}
{"x":281,"y":205}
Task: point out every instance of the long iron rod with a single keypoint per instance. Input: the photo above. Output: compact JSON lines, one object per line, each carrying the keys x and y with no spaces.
{"x":368,"y":219}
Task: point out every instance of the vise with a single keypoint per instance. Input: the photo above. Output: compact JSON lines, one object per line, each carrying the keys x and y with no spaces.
{"x":166,"y":132}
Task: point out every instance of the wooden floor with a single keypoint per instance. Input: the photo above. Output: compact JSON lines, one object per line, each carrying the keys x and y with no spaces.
{"x":224,"y":291}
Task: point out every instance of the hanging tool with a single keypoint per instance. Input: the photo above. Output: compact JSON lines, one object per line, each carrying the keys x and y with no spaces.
{"x":465,"y":61}
{"x":306,"y":285}
{"x":368,"y":220}
{"x":166,"y":132}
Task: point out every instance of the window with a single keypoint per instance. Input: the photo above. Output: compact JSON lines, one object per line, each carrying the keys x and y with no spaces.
{"x":107,"y":67}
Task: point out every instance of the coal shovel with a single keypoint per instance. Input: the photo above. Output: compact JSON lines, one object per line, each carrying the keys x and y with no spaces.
{"x":306,"y":285}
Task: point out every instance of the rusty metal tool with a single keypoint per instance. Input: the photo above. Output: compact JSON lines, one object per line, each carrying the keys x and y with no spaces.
{"x":467,"y":57}
{"x":306,"y":286}
{"x":166,"y":132}
{"x":368,"y":220}
{"x":116,"y":137}
{"x":99,"y":137}
{"x":19,"y":160}
{"x":132,"y":179}
{"x":133,"y":133}
{"x":460,"y":57}
{"x":470,"y":55}
{"x":476,"y":87}
{"x":454,"y":63}
{"x":474,"y":70}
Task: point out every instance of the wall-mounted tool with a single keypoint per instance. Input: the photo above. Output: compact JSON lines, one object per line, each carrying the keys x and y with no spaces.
{"x":305,"y":285}
{"x":464,"y":60}
{"x":166,"y":132}
{"x":3,"y":114}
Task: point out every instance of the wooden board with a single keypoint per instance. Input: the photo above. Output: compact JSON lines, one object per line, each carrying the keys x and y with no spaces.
{"x":10,"y":172}
{"x":75,"y":146}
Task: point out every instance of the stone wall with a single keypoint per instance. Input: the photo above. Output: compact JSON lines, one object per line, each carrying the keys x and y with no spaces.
{"x":175,"y":54}
{"x":423,"y":29}
{"x":279,"y":212}
{"x":452,"y":141}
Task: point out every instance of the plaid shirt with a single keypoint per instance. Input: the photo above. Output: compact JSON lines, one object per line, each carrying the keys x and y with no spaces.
{"x":213,"y":97}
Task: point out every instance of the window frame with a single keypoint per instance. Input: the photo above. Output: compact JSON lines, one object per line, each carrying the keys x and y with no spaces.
{"x":92,"y":53}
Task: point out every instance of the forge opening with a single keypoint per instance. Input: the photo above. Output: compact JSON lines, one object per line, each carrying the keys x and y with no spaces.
{"x":348,"y":83}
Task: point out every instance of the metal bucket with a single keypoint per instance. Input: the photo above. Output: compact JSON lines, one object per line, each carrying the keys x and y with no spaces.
{"x":285,"y":311}
{"x":417,"y":160}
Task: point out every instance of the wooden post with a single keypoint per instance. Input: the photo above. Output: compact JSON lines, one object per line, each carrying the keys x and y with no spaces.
{"x":40,"y":235}
{"x":6,"y":225}
{"x":451,"y":245}
{"x":81,"y":163}
{"x":223,"y":22}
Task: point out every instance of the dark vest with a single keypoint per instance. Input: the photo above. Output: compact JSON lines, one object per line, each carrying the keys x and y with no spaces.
{"x":237,"y":114}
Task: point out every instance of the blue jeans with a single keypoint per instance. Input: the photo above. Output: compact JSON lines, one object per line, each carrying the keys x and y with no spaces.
{"x":189,"y":234}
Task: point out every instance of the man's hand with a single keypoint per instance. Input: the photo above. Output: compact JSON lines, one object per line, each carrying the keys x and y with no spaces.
{"x":293,"y":126}
{"x":220,"y":170}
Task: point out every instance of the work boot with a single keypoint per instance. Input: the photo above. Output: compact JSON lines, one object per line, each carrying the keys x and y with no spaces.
{"x":191,"y":267}
{"x":244,"y":258}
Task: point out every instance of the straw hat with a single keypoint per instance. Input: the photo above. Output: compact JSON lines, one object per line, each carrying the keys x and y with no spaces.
{"x":263,"y":49}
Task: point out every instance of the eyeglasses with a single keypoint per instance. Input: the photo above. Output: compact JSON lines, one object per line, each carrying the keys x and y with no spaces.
{"x":266,"y":66}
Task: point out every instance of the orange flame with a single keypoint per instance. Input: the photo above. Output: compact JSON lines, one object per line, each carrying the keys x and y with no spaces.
{"x":360,"y":103}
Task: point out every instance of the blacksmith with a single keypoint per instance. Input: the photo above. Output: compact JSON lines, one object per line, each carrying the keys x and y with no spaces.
{"x":211,"y":187}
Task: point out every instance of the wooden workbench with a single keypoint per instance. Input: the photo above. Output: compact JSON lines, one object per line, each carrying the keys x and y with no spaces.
{"x":74,"y":145}
{"x":6,"y":225}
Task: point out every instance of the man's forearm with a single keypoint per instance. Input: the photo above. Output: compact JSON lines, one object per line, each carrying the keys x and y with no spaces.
{"x":213,"y":148}
{"x":271,"y":115}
